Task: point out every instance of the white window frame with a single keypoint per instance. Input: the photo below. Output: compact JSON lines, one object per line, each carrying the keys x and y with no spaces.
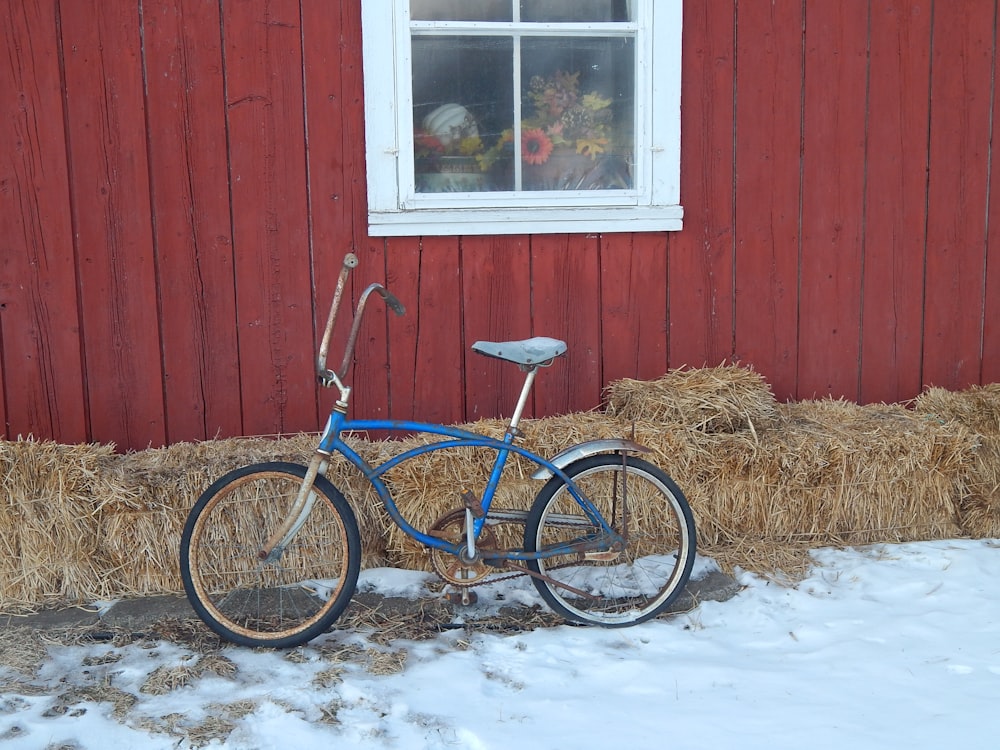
{"x":395,"y":209}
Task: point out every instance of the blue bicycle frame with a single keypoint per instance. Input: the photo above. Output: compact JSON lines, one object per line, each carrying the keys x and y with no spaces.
{"x":331,"y":442}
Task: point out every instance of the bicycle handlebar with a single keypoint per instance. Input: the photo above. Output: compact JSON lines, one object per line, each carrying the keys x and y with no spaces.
{"x":328,"y":377}
{"x":391,"y":300}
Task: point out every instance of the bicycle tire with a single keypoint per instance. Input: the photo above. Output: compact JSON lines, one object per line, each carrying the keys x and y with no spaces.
{"x":645,"y":577}
{"x":280,"y":604}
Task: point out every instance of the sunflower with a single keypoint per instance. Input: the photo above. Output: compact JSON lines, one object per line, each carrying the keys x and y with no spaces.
{"x":535,"y":146}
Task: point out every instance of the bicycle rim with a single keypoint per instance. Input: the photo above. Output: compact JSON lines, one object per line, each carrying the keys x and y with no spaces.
{"x":282,"y":603}
{"x":642,"y":504}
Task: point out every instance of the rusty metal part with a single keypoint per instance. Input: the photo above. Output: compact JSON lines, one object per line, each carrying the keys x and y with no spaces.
{"x":523,"y":571}
{"x":464,"y":596}
{"x":454,"y":569}
{"x":472,"y":504}
{"x":451,"y":526}
{"x":606,"y":557}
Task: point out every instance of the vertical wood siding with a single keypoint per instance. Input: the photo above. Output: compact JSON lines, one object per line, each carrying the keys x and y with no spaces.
{"x":180,"y":179}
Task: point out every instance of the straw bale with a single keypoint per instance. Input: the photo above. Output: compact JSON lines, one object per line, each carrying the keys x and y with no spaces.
{"x":48,"y":522}
{"x":829,"y":472}
{"x":141,"y":549}
{"x":978,"y":409}
{"x":141,"y":527}
{"x":727,"y":398}
{"x":766,"y":482}
{"x":141,"y":536}
{"x":175,"y":476}
{"x":428,"y":486}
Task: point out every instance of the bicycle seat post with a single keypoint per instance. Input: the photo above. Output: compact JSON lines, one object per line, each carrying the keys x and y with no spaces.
{"x":529,"y":379}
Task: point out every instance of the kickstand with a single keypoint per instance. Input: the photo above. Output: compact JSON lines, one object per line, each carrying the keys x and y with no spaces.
{"x":463,"y":596}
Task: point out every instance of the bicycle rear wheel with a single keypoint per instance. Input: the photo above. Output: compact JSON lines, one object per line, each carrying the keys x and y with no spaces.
{"x":277,"y":604}
{"x":642,"y":504}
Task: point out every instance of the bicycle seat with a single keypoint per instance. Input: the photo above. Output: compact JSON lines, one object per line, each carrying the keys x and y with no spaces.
{"x":534,"y":351}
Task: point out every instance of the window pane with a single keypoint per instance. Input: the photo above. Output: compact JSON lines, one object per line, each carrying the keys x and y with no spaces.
{"x":575,"y":10}
{"x":578,"y":113}
{"x":461,"y":10}
{"x":463,"y":97}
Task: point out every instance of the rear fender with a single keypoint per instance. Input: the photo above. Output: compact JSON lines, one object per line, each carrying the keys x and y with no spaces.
{"x":590,"y":448}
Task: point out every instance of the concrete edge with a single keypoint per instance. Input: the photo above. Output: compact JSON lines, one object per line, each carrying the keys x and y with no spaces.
{"x":143,"y":614}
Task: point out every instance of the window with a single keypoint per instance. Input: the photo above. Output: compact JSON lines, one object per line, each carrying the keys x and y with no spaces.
{"x":522,"y":116}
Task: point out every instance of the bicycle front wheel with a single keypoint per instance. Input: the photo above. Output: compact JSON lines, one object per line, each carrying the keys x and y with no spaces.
{"x":643,"y":505}
{"x":275,"y":604}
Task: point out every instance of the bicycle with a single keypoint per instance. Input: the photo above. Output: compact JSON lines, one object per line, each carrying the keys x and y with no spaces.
{"x":271,"y":552}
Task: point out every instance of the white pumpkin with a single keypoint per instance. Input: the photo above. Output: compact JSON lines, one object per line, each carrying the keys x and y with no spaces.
{"x":449,"y":123}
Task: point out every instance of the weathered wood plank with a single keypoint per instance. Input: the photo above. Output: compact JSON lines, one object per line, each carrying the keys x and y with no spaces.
{"x":895,"y":200}
{"x":263,"y":59}
{"x":990,"y":372}
{"x":496,"y":306}
{"x":40,"y":356}
{"x":96,"y":312}
{"x":962,"y":66}
{"x":334,"y":127}
{"x":426,"y":354}
{"x":192,"y":230}
{"x":633,"y":312}
{"x":372,"y":387}
{"x":768,"y":129}
{"x":372,"y":396}
{"x":109,"y":190}
{"x":833,"y":180}
{"x":701,"y":258}
{"x":566,"y":305}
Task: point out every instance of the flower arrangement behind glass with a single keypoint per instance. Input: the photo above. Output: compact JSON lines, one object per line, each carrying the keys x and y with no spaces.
{"x":449,"y":130}
{"x":562,"y":117}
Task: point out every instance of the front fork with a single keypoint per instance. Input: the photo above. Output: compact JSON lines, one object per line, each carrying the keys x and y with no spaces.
{"x":271,"y":551}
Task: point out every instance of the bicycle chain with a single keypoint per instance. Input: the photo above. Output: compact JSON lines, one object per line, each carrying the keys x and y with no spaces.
{"x":486,"y":579}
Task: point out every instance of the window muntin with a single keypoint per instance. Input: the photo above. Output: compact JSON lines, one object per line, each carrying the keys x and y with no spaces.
{"x":573,"y":119}
{"x":527,"y":10}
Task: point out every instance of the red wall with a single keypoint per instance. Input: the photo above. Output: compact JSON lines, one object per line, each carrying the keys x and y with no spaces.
{"x":180,"y":182}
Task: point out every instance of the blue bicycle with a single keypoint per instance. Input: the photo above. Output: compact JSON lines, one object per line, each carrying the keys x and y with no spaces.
{"x":271,"y":552}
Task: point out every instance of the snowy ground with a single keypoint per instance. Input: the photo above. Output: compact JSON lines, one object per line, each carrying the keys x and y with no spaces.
{"x":884,"y":647}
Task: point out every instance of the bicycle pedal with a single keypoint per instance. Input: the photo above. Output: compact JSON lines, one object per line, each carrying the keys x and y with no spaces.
{"x":473,"y":505}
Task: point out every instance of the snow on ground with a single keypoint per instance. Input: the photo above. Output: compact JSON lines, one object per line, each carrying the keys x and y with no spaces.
{"x":890,"y":646}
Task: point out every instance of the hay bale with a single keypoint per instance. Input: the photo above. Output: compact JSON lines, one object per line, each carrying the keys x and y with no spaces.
{"x":141,"y":549}
{"x":978,"y":409}
{"x":52,"y":495}
{"x":828,"y":472}
{"x":714,"y":399}
{"x":141,"y":530}
{"x":765,"y":481}
{"x":428,"y":486}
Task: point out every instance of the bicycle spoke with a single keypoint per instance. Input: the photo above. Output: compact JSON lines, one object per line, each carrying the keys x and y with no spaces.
{"x":279,"y":602}
{"x":612,"y":587}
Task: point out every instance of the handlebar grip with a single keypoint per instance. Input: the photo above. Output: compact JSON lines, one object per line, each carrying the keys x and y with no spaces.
{"x":392,"y":301}
{"x":350,"y":261}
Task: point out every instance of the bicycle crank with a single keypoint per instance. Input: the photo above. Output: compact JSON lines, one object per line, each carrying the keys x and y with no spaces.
{"x":455,"y":569}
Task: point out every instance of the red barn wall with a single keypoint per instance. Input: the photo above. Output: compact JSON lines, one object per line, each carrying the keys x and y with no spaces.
{"x":180,"y":179}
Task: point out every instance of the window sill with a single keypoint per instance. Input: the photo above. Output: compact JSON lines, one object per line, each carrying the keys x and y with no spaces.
{"x":524,"y":221}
